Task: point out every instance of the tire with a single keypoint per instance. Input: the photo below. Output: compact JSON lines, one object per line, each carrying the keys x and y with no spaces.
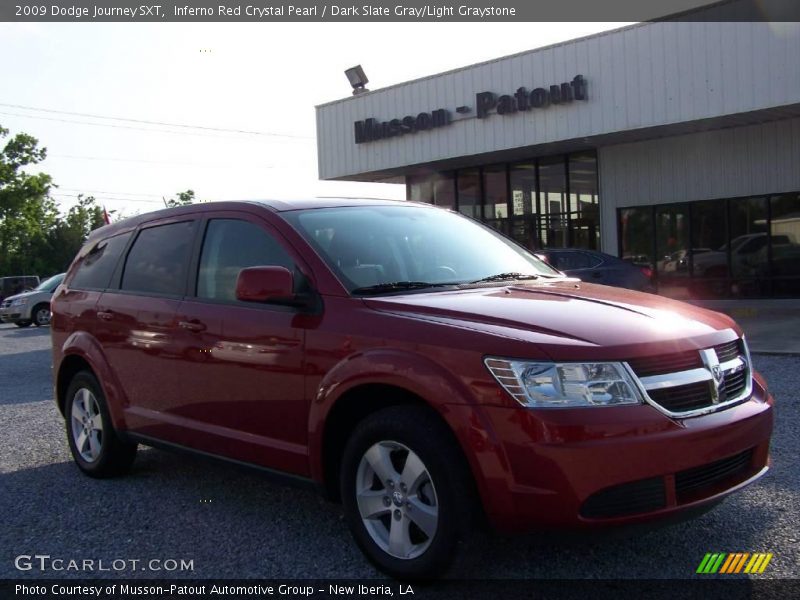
{"x":23,"y":323}
{"x":101,"y":453}
{"x":431,"y":503}
{"x":40,"y":315}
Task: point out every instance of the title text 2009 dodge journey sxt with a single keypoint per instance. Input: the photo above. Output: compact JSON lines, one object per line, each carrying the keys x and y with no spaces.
{"x":415,"y":364}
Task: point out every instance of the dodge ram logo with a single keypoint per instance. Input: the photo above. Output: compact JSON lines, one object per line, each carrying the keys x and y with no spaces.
{"x":717,"y":383}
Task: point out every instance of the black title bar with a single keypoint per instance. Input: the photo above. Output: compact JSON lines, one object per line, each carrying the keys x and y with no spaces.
{"x":133,"y":11}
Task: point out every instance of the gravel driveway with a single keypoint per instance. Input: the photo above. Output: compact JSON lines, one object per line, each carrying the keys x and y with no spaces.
{"x":235,"y":523}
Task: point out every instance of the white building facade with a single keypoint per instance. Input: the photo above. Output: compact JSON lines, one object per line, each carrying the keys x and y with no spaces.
{"x":671,"y":144}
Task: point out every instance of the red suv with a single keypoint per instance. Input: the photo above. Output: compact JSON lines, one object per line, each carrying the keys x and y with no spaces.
{"x":415,"y":364}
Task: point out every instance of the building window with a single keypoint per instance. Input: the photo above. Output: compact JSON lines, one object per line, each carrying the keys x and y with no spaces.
{"x":547,"y":202}
{"x":583,"y":201}
{"x":636,"y":236}
{"x":444,"y":190}
{"x":553,"y":209}
{"x":708,"y":260}
{"x":785,"y":239}
{"x":748,"y":246}
{"x":419,"y":188}
{"x":495,"y":192}
{"x":469,"y":192}
{"x":726,"y":248}
{"x":523,"y":188}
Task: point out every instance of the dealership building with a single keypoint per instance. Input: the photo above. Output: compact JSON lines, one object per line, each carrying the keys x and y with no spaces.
{"x":671,"y":144}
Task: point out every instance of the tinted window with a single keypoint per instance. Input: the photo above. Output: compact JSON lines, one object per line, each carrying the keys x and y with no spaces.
{"x":97,"y":266}
{"x":229,"y":247}
{"x":158,"y":259}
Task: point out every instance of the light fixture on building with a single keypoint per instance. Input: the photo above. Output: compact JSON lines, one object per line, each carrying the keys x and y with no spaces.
{"x":358,"y":79}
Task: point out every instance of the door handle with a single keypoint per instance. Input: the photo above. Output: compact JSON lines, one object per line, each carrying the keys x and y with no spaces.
{"x":193,"y":325}
{"x":105,"y":315}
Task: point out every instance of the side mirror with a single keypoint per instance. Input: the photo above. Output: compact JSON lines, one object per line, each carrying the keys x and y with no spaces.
{"x":265,"y":284}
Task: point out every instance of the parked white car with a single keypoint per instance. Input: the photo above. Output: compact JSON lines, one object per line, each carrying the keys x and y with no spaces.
{"x":31,"y":307}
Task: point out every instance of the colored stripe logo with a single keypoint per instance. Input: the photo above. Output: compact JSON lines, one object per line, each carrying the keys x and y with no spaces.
{"x":734,"y":562}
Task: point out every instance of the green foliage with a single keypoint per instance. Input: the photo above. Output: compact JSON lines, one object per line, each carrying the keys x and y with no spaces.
{"x":183,"y":199}
{"x":34,"y":238}
{"x":27,"y":212}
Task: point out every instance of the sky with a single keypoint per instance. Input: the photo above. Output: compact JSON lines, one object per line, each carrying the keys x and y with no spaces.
{"x":261,"y":78}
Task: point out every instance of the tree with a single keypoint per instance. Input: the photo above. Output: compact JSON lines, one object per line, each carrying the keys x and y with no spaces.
{"x":183,"y":199}
{"x":67,"y":235}
{"x":26,"y":210}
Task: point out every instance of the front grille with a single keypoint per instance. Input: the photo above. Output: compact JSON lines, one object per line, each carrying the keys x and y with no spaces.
{"x":684,"y":397}
{"x":693,"y":482}
{"x":666,"y":363}
{"x":726,"y":352}
{"x":680,"y":382}
{"x":627,"y":499}
{"x":735,"y":383}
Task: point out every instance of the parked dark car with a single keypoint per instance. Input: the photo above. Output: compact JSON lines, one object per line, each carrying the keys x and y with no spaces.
{"x":417,"y":365}
{"x":598,"y":267}
{"x":16,"y":284}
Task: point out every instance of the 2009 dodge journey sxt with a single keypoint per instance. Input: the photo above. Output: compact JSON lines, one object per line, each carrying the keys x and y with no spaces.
{"x":420,"y":367}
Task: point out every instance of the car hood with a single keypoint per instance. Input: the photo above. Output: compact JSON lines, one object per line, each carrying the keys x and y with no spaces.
{"x":22,"y":295}
{"x":568,"y":313}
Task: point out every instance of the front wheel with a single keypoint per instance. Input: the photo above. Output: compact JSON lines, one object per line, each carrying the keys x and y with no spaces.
{"x":97,"y":449}
{"x":407,"y":493}
{"x":41,"y":315}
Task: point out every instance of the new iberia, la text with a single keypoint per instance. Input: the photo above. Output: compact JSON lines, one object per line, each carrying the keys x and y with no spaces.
{"x":256,"y":590}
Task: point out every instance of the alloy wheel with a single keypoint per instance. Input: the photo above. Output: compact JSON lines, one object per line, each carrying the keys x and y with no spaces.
{"x":397,"y":499}
{"x":87,"y":425}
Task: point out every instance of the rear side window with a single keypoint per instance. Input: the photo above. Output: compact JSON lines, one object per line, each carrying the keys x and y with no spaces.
{"x":157,"y":262}
{"x":97,"y":266}
{"x":231,"y":245}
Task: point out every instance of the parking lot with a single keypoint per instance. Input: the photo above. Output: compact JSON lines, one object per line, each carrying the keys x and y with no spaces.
{"x":235,"y":523}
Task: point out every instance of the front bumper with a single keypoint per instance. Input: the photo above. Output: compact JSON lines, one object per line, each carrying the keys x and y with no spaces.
{"x":13,"y":314}
{"x":611,"y":466}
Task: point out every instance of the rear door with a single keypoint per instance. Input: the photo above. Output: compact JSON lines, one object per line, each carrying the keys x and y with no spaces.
{"x":136,"y":321}
{"x":241,"y":374}
{"x":74,"y":305}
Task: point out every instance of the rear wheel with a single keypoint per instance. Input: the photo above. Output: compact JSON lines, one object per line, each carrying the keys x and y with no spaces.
{"x":96,"y":448}
{"x":41,"y":315}
{"x":407,"y":493}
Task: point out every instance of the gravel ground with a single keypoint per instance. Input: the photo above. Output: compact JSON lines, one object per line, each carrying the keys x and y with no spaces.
{"x":236,"y":523}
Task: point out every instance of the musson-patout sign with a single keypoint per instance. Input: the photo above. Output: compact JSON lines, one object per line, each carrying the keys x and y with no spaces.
{"x":486,"y":104}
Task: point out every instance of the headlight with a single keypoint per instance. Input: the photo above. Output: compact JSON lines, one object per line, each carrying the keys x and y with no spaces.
{"x":20,"y":302}
{"x":564,"y":385}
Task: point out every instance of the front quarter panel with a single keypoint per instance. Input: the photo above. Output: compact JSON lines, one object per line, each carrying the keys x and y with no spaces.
{"x":438,"y":388}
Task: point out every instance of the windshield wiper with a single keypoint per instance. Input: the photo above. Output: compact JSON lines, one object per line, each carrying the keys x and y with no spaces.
{"x":506,"y":276}
{"x":394,"y":286}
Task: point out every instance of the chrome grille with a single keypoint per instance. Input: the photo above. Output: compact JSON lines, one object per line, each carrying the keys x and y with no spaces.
{"x":696,"y":382}
{"x":683,"y":397}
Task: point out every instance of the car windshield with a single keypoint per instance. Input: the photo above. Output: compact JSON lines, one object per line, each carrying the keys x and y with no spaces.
{"x":390,"y":248}
{"x":48,"y":285}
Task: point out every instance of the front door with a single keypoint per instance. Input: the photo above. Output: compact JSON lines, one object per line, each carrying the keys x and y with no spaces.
{"x":241,"y":369}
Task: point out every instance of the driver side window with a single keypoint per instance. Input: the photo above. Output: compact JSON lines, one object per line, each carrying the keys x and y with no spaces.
{"x":231,"y":245}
